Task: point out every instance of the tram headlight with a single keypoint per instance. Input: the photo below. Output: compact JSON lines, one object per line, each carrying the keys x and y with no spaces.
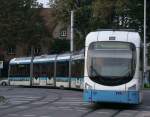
{"x":132,"y":88}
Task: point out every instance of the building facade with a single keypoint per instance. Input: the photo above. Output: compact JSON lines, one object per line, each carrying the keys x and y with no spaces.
{"x":57,"y":30}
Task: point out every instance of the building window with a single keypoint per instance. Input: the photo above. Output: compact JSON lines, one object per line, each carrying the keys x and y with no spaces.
{"x":37,"y":51}
{"x":11,"y":50}
{"x":63,"y":33}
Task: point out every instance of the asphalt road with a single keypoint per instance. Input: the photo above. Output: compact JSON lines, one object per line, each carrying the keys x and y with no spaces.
{"x":39,"y":102}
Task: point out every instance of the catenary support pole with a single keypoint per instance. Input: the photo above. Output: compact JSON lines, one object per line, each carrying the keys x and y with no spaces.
{"x":71,"y":46}
{"x":31,"y":66}
{"x":145,"y":48}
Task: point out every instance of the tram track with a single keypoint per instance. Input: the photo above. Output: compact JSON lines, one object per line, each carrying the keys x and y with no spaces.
{"x":17,"y":105}
{"x":31,"y":102}
{"x":99,"y":109}
{"x":116,"y":113}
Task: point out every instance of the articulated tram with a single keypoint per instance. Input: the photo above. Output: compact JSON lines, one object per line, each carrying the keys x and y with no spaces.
{"x":113,"y":64}
{"x":49,"y":70}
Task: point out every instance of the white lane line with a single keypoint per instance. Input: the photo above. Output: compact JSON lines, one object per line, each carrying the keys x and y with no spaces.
{"x":67,"y":107}
{"x":40,"y":103}
{"x":54,"y":108}
{"x":102,"y":112}
{"x":60,"y":108}
{"x":19,"y":101}
{"x":22,"y":107}
{"x":70,"y":102}
{"x":33,"y":97}
{"x":29,"y":115}
{"x":29,"y":99}
{"x":45,"y":116}
{"x":82,"y":110}
{"x":10,"y":96}
{"x":14,"y":115}
{"x":4,"y":106}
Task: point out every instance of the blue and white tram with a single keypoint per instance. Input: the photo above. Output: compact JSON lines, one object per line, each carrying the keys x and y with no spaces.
{"x":43,"y":70}
{"x":77,"y":68}
{"x":62,"y":70}
{"x":48,"y":70}
{"x":19,"y":71}
{"x":113,"y":67}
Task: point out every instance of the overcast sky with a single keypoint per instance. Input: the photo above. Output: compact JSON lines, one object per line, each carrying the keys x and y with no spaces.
{"x":44,"y":2}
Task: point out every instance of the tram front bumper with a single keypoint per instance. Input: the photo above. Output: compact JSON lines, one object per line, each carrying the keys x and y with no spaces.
{"x":129,"y":97}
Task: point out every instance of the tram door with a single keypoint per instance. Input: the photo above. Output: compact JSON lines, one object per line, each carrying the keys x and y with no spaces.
{"x":78,"y":82}
{"x":36,"y":81}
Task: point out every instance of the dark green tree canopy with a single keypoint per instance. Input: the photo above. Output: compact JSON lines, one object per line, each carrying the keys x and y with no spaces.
{"x":94,"y":14}
{"x":20,"y":22}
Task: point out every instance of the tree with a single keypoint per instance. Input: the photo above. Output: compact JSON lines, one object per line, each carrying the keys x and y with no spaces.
{"x":94,"y":14}
{"x":20,"y":22}
{"x":82,"y":14}
{"x":59,"y":46}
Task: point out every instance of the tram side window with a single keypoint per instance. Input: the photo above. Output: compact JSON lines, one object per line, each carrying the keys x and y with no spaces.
{"x":23,"y":70}
{"x":19,"y":70}
{"x":62,"y":69}
{"x":50,"y":70}
{"x":36,"y":70}
{"x":13,"y":70}
{"x":77,"y":68}
{"x":43,"y":68}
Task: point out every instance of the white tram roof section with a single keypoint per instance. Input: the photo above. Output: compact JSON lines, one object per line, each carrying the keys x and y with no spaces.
{"x":44,"y":58}
{"x":120,"y":35}
{"x":21,"y":60}
{"x":63,"y":57}
{"x":78,"y":56}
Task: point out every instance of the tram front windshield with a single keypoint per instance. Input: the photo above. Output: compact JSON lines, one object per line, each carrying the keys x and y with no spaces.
{"x":111,"y":63}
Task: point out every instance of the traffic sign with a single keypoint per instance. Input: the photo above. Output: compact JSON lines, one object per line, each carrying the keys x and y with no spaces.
{"x":1,"y":64}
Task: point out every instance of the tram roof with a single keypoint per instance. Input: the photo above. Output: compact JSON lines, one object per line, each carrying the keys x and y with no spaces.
{"x":63,"y":57}
{"x":21,"y":60}
{"x":48,"y":58}
{"x":122,"y":35}
{"x":44,"y":58}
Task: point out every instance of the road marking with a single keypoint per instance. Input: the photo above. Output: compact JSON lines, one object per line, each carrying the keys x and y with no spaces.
{"x":10,"y":96}
{"x":70,"y":102}
{"x":22,"y":107}
{"x":14,"y":115}
{"x":144,"y":114}
{"x":102,"y":112}
{"x":82,"y":110}
{"x":60,"y":108}
{"x":29,"y":99}
{"x":40,"y":103}
{"x":33,"y":97}
{"x":45,"y":116}
{"x":4,"y":106}
{"x":29,"y":115}
{"x":19,"y":101}
{"x":64,"y":107}
{"x":54,"y":108}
